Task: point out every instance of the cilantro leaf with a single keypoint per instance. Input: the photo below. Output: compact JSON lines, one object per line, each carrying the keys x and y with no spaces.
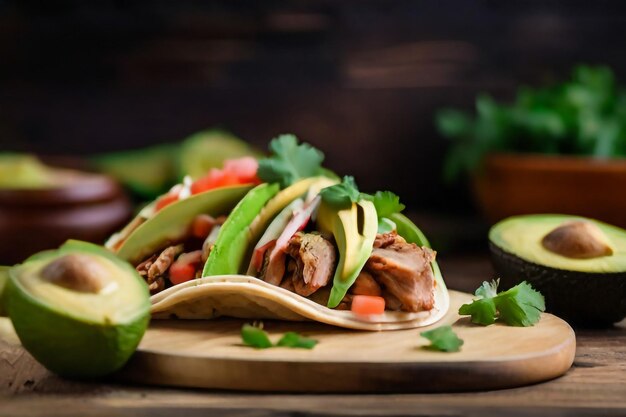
{"x":521,"y":305}
{"x":443,"y":339}
{"x":294,"y":340}
{"x":255,"y":336}
{"x":518,"y":306}
{"x":387,"y":203}
{"x":290,"y":161}
{"x":482,"y":311}
{"x":341,"y":195}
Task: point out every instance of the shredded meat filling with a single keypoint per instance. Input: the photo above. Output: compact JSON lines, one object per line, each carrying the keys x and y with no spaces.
{"x":307,"y":264}
{"x":315,"y":260}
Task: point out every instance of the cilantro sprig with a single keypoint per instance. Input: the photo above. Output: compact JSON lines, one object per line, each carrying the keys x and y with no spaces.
{"x":386,"y":203}
{"x":254,"y":336}
{"x":341,"y":195}
{"x":443,"y":339}
{"x":518,"y":306}
{"x":290,"y":161}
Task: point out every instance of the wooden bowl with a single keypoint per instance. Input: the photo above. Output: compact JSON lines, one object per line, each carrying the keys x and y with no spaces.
{"x":86,"y":206}
{"x":512,"y":184}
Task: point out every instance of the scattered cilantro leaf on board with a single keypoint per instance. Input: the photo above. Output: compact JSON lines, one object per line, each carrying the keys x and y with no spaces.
{"x":443,"y":339}
{"x":519,"y":306}
{"x":254,"y":336}
{"x":343,"y":194}
{"x":294,"y":340}
{"x":290,"y":161}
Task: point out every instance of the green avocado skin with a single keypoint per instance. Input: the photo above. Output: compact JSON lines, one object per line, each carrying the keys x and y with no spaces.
{"x":582,"y":298}
{"x":69,"y":348}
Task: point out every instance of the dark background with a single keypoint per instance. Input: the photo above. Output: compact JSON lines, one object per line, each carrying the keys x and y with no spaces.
{"x":360,"y":79}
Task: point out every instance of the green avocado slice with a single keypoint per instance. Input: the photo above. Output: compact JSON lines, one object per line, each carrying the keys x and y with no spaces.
{"x":78,"y":331}
{"x":172,"y":222}
{"x":231,"y":244}
{"x":354,"y":229}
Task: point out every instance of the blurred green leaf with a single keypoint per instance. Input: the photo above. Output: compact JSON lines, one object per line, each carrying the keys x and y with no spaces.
{"x":585,"y":115}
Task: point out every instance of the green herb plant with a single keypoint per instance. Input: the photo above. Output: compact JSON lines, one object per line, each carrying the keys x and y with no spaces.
{"x":585,"y":115}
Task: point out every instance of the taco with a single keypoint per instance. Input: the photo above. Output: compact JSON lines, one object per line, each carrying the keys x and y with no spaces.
{"x":323,"y":251}
{"x":204,"y":227}
{"x":171,"y":239}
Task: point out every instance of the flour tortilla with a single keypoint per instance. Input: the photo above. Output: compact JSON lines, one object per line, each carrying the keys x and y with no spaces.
{"x":248,"y":297}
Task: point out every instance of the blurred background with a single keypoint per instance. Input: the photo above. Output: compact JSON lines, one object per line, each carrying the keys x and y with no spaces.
{"x":362,"y":80}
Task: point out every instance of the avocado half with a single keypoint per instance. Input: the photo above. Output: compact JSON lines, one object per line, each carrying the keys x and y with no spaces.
{"x":582,"y":276}
{"x":79,"y":310}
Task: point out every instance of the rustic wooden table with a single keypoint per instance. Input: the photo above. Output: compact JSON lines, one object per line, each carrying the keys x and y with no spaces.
{"x":595,"y":386}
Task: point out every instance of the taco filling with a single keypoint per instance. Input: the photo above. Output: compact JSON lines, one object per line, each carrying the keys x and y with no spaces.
{"x":332,"y":251}
{"x":397,"y":271}
{"x":184,"y":260}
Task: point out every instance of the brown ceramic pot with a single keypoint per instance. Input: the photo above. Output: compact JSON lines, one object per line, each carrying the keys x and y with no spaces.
{"x":86,"y":206}
{"x":512,"y":184}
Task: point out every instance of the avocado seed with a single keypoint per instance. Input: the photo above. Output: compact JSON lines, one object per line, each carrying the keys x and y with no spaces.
{"x":577,"y":239}
{"x":76,"y":272}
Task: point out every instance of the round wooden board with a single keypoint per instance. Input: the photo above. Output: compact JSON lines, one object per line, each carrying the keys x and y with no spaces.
{"x":209,"y":354}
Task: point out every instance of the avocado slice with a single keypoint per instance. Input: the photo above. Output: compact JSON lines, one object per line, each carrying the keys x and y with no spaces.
{"x":578,"y":264}
{"x":79,"y":310}
{"x":234,"y":238}
{"x":354,"y":229}
{"x":172,"y":222}
{"x":208,"y":149}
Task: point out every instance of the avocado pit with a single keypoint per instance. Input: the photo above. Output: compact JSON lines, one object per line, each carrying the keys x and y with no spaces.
{"x":76,"y":272}
{"x":577,"y":239}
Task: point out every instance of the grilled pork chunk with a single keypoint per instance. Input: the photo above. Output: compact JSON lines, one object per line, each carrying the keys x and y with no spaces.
{"x":403,"y":271}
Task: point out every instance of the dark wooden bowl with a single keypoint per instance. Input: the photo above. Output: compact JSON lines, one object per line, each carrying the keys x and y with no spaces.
{"x":512,"y":184}
{"x":86,"y":206}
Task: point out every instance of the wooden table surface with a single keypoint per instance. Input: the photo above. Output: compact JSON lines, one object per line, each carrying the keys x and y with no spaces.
{"x":594,"y":386}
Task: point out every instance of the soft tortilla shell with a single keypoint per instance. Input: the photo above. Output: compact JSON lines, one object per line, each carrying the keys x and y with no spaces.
{"x":251,"y":298}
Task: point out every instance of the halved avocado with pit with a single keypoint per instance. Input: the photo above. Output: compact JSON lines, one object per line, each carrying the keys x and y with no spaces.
{"x":578,"y":264}
{"x":79,"y":310}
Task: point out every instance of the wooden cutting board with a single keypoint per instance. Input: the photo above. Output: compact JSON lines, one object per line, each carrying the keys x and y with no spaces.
{"x":209,"y":354}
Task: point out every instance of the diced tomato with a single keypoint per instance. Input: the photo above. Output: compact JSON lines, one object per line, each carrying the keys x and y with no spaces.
{"x":257,"y":256}
{"x":244,"y":168}
{"x":215,"y":179}
{"x":181,"y":272}
{"x":165,"y":200}
{"x":202,"y":225}
{"x":368,"y":304}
